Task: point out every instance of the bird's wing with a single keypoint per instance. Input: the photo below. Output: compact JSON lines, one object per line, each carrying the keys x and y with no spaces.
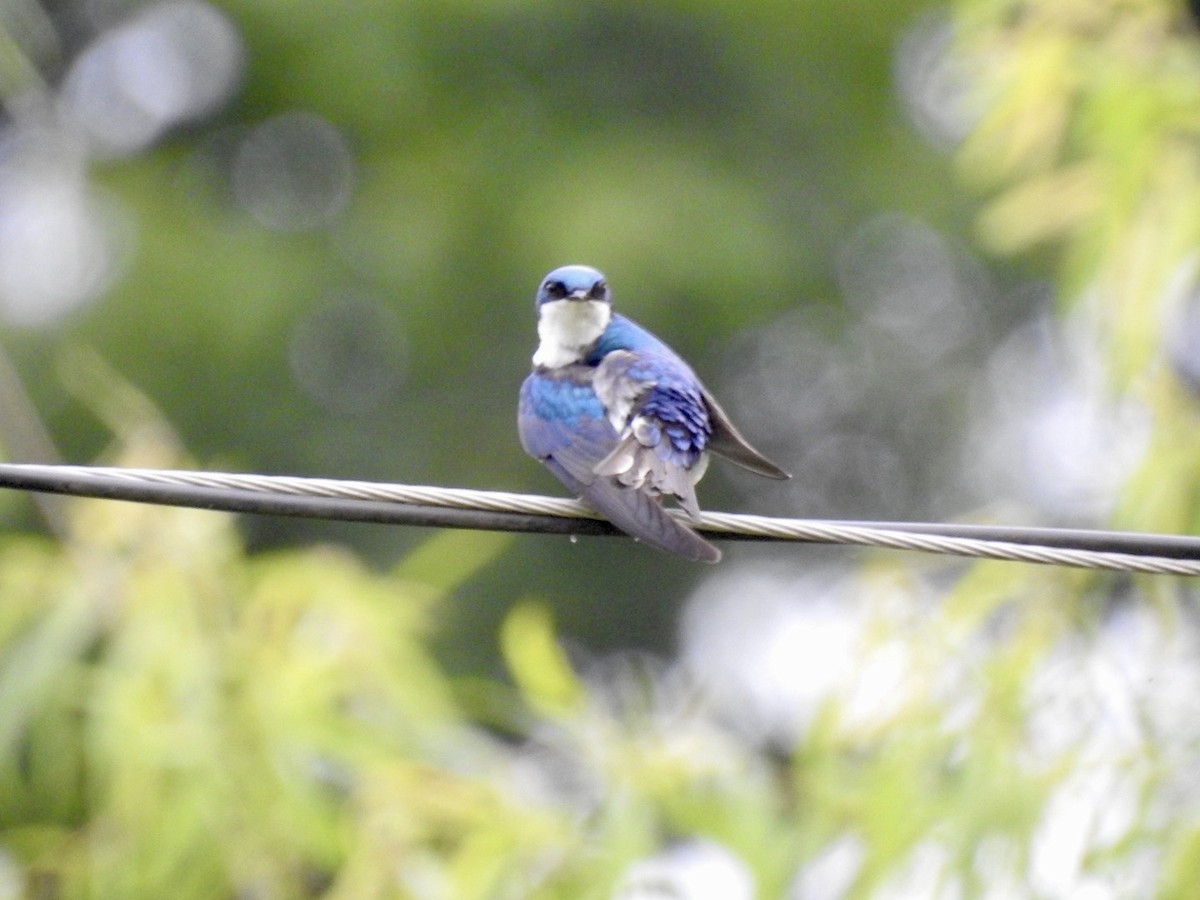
{"x":654,"y":404}
{"x":726,"y":441}
{"x":634,"y":351}
{"x":564,"y":425}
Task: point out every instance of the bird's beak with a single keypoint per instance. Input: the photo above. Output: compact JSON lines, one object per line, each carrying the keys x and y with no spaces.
{"x":579,"y":294}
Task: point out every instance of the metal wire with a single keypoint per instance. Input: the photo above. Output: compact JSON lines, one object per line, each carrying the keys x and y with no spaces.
{"x":365,"y":501}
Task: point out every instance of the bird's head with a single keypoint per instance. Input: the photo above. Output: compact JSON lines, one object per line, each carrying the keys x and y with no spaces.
{"x":573,"y":283}
{"x":574,"y":307}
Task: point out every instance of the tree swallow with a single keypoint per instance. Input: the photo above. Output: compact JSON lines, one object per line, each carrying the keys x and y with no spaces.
{"x":619,"y":418}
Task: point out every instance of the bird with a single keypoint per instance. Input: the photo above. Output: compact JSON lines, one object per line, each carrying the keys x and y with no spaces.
{"x":619,"y":418}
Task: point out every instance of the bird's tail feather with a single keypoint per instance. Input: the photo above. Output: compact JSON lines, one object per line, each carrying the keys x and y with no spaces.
{"x":639,"y":514}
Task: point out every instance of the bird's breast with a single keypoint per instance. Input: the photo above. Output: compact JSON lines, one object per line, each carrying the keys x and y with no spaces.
{"x":561,"y":395}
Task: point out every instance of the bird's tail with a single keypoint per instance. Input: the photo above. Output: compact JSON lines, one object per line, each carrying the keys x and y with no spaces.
{"x":642,"y":515}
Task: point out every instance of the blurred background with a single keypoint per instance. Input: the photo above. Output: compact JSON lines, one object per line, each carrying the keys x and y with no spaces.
{"x":312,"y":239}
{"x":938,"y":261}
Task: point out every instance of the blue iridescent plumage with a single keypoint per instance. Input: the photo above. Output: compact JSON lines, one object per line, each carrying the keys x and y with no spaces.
{"x":619,"y":418}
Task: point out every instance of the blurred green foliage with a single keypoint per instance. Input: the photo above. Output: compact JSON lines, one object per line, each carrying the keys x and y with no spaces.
{"x":191,"y":710}
{"x":710,"y":158}
{"x":178,"y":718}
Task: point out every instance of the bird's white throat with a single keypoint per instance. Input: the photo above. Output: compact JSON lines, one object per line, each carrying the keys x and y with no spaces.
{"x":567,"y":329}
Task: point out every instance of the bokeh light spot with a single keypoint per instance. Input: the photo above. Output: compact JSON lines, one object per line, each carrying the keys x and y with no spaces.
{"x":691,"y":870}
{"x":294,"y":172}
{"x":173,"y":63}
{"x":349,"y":355}
{"x":60,"y":242}
{"x":934,"y":82}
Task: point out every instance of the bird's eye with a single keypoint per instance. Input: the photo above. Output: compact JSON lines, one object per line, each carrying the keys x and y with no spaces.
{"x":599,"y":290}
{"x":555,"y":289}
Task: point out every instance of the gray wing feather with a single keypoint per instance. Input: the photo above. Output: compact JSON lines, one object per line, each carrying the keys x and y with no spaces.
{"x":727,"y":441}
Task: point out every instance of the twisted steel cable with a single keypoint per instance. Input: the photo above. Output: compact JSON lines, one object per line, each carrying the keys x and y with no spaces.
{"x":365,"y":501}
